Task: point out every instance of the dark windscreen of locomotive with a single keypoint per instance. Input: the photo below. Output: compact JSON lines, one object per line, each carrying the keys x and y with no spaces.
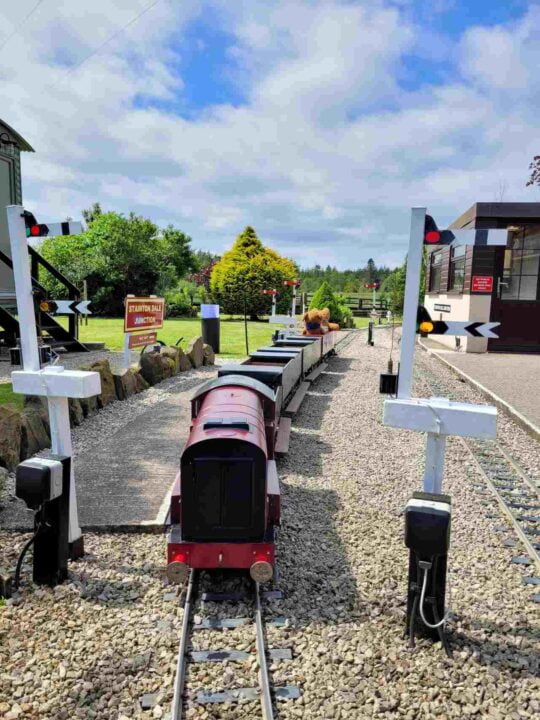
{"x":224,"y":494}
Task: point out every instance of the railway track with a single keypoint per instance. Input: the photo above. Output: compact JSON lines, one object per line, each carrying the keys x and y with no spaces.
{"x":517,"y":494}
{"x":263,"y":690}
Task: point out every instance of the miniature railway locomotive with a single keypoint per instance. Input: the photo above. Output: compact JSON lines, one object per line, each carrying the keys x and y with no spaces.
{"x":225,"y":504}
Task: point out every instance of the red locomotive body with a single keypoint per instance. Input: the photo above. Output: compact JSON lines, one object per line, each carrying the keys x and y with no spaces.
{"x":225,"y":503}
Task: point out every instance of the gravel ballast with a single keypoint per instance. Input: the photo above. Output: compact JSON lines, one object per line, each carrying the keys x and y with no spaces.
{"x":94,"y":646}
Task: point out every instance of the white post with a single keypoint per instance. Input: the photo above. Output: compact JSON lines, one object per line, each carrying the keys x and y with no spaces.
{"x":303,"y":304}
{"x":293,"y":307}
{"x":410,"y":309}
{"x":61,"y":445}
{"x":274,"y":303}
{"x":434,"y":470}
{"x":127,"y":352}
{"x":23,"y":285}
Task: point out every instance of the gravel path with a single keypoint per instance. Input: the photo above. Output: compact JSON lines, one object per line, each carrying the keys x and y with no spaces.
{"x":92,"y":647}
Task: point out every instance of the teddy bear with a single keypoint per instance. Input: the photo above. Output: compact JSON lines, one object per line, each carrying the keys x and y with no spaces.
{"x":325,"y":312}
{"x":313,"y":323}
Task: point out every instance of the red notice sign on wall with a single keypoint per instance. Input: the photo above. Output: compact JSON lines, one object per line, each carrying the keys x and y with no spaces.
{"x":482,"y":283}
{"x":143,"y":313}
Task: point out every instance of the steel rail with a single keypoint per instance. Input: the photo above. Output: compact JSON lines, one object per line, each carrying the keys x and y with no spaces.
{"x":531,"y":550}
{"x":180,"y":679}
{"x":264,"y":681}
{"x":533,"y":553}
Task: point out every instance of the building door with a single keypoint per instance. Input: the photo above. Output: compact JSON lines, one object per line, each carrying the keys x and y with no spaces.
{"x":516,"y":295}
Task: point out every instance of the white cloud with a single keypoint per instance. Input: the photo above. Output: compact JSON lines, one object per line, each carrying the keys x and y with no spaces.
{"x":324,"y":159}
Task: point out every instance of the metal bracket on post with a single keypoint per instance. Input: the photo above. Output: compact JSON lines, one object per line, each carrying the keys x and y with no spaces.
{"x":53,"y":382}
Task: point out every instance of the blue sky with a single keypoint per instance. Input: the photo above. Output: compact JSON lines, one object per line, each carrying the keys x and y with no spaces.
{"x":319,"y":122}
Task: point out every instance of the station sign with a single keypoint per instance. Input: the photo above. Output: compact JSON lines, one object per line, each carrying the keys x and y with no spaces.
{"x":439,"y":307}
{"x":144,"y":313}
{"x":142,"y":340}
{"x":482,"y":283}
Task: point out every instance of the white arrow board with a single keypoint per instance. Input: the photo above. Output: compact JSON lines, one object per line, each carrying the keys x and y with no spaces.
{"x":466,"y":328}
{"x":71,"y":227}
{"x":72,"y":307}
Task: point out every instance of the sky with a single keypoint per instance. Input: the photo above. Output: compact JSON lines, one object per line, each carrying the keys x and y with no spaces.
{"x":318,"y":122}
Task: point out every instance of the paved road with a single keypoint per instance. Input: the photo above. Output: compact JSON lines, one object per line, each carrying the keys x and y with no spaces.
{"x":514,"y":377}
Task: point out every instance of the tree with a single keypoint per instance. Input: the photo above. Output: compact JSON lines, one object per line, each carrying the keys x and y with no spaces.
{"x":371,"y":270}
{"x":325,"y":298}
{"x":245,"y":271}
{"x":117,"y":256}
{"x":90,"y":214}
{"x":534,"y":167}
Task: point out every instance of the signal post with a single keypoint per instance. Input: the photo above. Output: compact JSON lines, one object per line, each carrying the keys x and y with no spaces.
{"x":428,"y":513}
{"x":51,"y":381}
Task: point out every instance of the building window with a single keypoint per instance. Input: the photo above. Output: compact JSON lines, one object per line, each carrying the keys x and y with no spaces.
{"x":457,"y":268}
{"x":435,"y":272}
{"x":522,"y":269}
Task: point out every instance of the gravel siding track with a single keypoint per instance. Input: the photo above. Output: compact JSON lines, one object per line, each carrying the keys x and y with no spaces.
{"x":92,"y":647}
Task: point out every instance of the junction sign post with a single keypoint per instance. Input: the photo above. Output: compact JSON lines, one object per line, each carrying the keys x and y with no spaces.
{"x":143,"y":316}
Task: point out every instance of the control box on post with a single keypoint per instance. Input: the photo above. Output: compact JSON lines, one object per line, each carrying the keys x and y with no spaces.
{"x":427,"y":535}
{"x":44,"y":485}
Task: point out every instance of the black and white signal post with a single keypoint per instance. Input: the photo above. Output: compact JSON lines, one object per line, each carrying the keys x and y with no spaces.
{"x":53,"y":382}
{"x":427,"y":516}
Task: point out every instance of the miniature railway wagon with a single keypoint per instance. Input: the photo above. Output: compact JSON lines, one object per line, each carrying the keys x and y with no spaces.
{"x":225,"y":505}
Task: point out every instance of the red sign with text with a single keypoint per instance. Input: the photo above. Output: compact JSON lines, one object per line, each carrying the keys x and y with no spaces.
{"x":482,"y":283}
{"x":143,"y":313}
{"x":142,"y":340}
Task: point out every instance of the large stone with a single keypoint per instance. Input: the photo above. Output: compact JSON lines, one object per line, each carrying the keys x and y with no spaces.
{"x":140,"y":382}
{"x":41,"y":405}
{"x":76,"y":413}
{"x":173,"y":353}
{"x":195,"y":352}
{"x":10,"y":436}
{"x":209,"y":356}
{"x":108,"y":391}
{"x":183,"y":361}
{"x":34,"y":436}
{"x":152,"y":367}
{"x":168,"y":366}
{"x":125,"y":383}
{"x":89,"y":406}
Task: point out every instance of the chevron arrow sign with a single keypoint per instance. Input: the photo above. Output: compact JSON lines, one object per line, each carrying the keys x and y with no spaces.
{"x":72,"y":307}
{"x":467,"y":328}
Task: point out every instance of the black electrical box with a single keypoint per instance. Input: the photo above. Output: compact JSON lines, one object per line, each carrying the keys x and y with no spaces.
{"x":427,"y":524}
{"x":44,"y":484}
{"x":388,"y":384}
{"x":38,"y":480}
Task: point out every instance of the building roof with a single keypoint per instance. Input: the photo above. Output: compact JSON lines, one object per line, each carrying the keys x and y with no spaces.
{"x":498,"y":215}
{"x":21,"y":142}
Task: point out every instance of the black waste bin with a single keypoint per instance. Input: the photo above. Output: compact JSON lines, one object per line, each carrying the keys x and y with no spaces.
{"x":210,"y":326}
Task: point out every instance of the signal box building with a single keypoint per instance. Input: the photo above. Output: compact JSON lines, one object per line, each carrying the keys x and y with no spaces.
{"x":490,"y":284}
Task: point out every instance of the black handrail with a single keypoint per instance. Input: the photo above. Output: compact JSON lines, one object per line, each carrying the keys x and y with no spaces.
{"x":56,"y":273}
{"x":7,"y":260}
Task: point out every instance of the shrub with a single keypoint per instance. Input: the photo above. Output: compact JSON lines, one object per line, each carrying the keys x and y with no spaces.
{"x":178,"y":304}
{"x":325,"y":298}
{"x":245,"y":271}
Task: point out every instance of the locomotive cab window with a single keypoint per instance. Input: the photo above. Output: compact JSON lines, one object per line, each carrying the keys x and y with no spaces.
{"x":457,"y":268}
{"x":435,"y":272}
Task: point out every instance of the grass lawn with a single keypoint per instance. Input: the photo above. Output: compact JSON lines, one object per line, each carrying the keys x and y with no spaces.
{"x":8,"y":397}
{"x":110,"y":331}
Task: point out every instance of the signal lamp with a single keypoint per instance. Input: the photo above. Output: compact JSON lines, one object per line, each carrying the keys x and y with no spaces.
{"x":426,"y":327}
{"x":45,"y":306}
